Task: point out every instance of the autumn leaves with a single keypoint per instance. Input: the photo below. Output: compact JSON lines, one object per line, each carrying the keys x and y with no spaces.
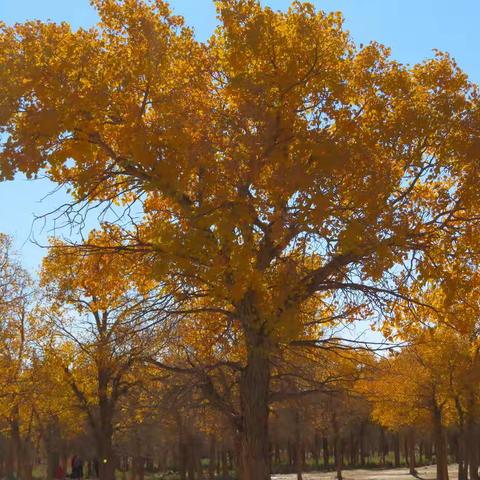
{"x":280,"y":172}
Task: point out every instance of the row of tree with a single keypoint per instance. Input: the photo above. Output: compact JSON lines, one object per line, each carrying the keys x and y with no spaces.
{"x":89,"y":355}
{"x":258,"y":192}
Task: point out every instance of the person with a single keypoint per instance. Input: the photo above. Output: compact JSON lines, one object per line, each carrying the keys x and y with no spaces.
{"x":72,"y":465}
{"x":77,"y":467}
{"x":59,"y":473}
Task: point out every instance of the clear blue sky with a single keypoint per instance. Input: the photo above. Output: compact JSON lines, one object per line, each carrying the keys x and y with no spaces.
{"x":412,"y":28}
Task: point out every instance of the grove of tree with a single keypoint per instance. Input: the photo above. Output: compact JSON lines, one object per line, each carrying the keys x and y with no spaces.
{"x":261,"y":195}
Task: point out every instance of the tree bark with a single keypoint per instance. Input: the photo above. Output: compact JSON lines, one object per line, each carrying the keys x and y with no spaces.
{"x":440,"y":444}
{"x":382,"y":446}
{"x":182,"y":449}
{"x":411,"y":452}
{"x":254,"y":397}
{"x":362,"y":444}
{"x":298,"y":447}
{"x":473,"y":458}
{"x":106,"y":465}
{"x":461,"y":442}
{"x":211,"y":457}
{"x":396,"y":449}
{"x":225,"y":464}
{"x":337,"y":448}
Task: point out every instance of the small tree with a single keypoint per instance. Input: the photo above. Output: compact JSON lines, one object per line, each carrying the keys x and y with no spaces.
{"x":101,"y":316}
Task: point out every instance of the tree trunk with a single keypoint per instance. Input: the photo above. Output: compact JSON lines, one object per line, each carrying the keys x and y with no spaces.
{"x":212,"y":457}
{"x":106,"y":465}
{"x":440,"y":445}
{"x":382,"y":446}
{"x":325,"y":452}
{"x":362,"y":444}
{"x":182,"y":449}
{"x":254,"y":392}
{"x":138,"y":467}
{"x":396,"y":449}
{"x":472,"y":449}
{"x":191,"y":466}
{"x":104,"y":426}
{"x":298,"y":447}
{"x":411,"y":452}
{"x":353,"y":450}
{"x":224,"y":464}
{"x":316,"y":450}
{"x":337,"y":449}
{"x":461,"y":442}
{"x":462,"y":465}
{"x":338,"y":457}
{"x":23,"y":462}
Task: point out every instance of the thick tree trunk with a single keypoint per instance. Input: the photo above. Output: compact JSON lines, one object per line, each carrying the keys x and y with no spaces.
{"x":473,"y":457}
{"x":440,"y":445}
{"x":254,"y":393}
{"x":298,"y":461}
{"x":23,"y":461}
{"x":10,"y":459}
{"x":337,"y":449}
{"x":106,"y":470}
{"x":182,"y":449}
{"x":338,"y":457}
{"x":52,"y":439}
{"x":16,"y":450}
{"x":106,"y":457}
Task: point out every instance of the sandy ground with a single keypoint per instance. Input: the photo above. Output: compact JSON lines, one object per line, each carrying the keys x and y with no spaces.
{"x":424,"y":473}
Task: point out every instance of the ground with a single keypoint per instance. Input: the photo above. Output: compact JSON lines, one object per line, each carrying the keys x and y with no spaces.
{"x":424,"y":473}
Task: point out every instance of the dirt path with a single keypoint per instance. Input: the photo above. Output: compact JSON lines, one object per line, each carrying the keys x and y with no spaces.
{"x":424,"y":473}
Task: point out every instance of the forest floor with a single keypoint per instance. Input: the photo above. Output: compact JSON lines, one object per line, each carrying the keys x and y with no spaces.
{"x":424,"y":473}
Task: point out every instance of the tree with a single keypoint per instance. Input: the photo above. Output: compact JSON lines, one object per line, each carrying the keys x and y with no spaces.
{"x":273,"y":164}
{"x":19,"y":329}
{"x":101,"y":315}
{"x":55,"y":414}
{"x":414,"y":388}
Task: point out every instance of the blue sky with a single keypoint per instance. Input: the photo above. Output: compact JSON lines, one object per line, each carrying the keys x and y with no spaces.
{"x":412,"y":28}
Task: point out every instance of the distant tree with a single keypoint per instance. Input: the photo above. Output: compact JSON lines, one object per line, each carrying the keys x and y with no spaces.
{"x":19,"y":329}
{"x":104,"y":321}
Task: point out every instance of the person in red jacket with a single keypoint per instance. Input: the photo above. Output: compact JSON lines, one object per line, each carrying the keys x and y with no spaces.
{"x":59,"y":473}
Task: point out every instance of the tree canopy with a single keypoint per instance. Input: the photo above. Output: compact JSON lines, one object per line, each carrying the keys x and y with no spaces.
{"x":271,"y":180}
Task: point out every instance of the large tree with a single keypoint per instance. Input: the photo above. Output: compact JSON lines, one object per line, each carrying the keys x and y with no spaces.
{"x":277,"y":164}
